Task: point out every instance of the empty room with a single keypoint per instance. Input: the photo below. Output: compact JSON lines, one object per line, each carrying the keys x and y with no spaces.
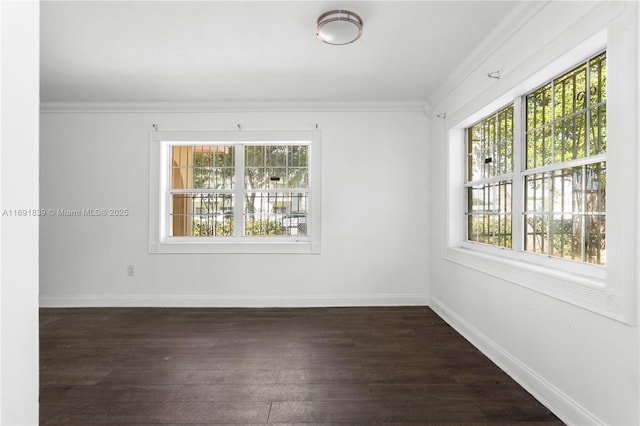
{"x":319,"y":212}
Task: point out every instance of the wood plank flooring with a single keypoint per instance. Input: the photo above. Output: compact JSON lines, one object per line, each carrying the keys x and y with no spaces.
{"x":391,"y":365}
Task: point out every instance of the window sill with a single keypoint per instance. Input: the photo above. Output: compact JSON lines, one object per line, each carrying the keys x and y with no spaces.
{"x":226,"y":247}
{"x":583,"y":291}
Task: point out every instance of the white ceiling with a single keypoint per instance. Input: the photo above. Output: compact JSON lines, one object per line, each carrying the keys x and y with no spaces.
{"x":263,"y":51}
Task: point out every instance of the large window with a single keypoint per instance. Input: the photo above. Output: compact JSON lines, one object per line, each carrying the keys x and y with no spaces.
{"x":224,"y":192}
{"x":573,"y":187}
{"x":273,"y":190}
{"x":558,"y":169}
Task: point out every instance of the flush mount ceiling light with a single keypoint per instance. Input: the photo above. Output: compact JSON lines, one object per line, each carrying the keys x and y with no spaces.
{"x":339,"y":27}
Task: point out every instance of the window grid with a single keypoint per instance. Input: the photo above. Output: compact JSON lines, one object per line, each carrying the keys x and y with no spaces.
{"x":202,"y":214}
{"x":287,"y":217}
{"x":559,"y":113}
{"x":489,"y":218}
{"x":282,"y":166}
{"x":489,"y":179}
{"x":565,"y":165}
{"x":203,"y":190}
{"x":490,"y":146}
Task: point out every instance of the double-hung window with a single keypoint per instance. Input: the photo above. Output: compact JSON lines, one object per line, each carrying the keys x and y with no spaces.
{"x":557,"y":213}
{"x":490,"y":179}
{"x":554,"y":181}
{"x":565,"y":165}
{"x":235,"y":192}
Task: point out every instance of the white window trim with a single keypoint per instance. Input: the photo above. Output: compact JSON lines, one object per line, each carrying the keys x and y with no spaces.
{"x":608,"y":290}
{"x":161,"y":242}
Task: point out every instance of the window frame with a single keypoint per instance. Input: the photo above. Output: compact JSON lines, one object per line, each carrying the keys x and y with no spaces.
{"x":576,"y":271}
{"x":517,"y":179}
{"x":498,"y":179}
{"x":606,"y":290}
{"x":554,"y":165}
{"x":160,"y":240}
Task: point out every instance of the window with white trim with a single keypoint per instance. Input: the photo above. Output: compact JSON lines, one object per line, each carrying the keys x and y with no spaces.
{"x":234,"y":192}
{"x":560,"y":174}
{"x":490,"y":179}
{"x":565,"y":165}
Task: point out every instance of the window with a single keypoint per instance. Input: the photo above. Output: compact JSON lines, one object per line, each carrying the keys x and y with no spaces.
{"x":235,"y":192}
{"x":489,"y":180}
{"x":565,"y":177}
{"x":574,"y":225}
{"x":201,"y":190}
{"x":560,"y":173}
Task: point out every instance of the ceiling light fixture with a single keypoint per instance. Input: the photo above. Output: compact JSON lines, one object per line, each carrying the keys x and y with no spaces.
{"x":339,"y":27}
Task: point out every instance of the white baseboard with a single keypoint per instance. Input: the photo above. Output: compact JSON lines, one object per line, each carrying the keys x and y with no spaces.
{"x":568,"y":410}
{"x":197,"y":301}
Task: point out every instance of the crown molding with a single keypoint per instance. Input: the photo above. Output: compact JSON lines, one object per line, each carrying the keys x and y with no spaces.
{"x":213,"y":107}
{"x":521,"y":13}
{"x":426,"y":108}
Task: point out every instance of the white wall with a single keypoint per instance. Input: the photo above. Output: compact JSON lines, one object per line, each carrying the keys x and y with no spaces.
{"x":19,"y":38}
{"x":374,"y":211}
{"x":582,"y":365}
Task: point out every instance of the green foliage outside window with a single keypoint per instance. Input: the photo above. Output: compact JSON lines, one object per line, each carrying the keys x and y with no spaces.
{"x":490,"y":157}
{"x":275,"y":189}
{"x":565,"y":202}
{"x":563,"y":171}
{"x":225,"y":228}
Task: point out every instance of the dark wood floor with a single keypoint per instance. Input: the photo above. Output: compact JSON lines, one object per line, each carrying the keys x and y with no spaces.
{"x":254,"y":366}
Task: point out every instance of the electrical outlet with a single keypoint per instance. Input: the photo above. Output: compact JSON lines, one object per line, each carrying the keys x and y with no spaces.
{"x":130,"y":270}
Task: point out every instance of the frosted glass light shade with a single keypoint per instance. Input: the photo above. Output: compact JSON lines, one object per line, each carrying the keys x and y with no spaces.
{"x":339,"y":27}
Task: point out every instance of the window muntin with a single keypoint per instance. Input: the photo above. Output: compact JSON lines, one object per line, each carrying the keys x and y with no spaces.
{"x":489,"y":179}
{"x":490,"y":146}
{"x":559,"y":113}
{"x":565,"y":165}
{"x":489,"y":217}
{"x":200,"y":214}
{"x":203,"y":190}
{"x":276,"y":166}
{"x":283,"y":214}
{"x":565,"y":213}
{"x":276,"y":179}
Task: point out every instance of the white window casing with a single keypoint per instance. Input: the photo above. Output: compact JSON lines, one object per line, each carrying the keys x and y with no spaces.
{"x":161,"y":239}
{"x":608,"y":290}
